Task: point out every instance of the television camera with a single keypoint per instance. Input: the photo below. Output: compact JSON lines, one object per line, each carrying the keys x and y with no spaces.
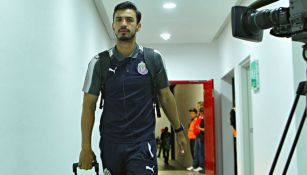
{"x":248,"y":24}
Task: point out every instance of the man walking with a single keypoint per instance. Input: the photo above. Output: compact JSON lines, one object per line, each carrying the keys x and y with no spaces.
{"x":127,"y":123}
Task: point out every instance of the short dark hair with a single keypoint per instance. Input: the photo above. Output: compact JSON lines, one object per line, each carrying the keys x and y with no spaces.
{"x":201,"y":109}
{"x":193,"y":110}
{"x":128,"y":5}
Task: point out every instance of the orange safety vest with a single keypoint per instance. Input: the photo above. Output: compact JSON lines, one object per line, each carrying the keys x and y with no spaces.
{"x":234,"y":132}
{"x":191,"y":134}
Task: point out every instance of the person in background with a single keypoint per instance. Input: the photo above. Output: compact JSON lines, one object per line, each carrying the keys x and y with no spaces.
{"x":166,"y":144}
{"x":191,"y":135}
{"x":198,"y":161}
{"x":233,"y":122}
{"x":199,"y":105}
{"x":234,"y":133}
{"x":160,"y":143}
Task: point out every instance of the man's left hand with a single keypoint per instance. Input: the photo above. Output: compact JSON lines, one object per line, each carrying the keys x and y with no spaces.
{"x":181,"y":140}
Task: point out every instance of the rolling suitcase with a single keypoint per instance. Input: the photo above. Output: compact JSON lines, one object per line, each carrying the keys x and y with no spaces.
{"x":95,"y":165}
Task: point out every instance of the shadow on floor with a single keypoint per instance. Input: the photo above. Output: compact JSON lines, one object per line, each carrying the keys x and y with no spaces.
{"x":173,"y":168}
{"x":173,"y":165}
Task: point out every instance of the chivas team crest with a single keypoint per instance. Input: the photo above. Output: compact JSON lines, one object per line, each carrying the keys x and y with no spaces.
{"x":142,"y":69}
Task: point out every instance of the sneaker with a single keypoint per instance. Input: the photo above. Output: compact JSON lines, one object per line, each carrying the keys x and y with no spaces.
{"x":190,"y":168}
{"x":198,"y":169}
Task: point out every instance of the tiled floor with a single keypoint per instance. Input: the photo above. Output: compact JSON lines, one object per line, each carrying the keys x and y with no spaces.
{"x":180,"y":172}
{"x":173,"y":169}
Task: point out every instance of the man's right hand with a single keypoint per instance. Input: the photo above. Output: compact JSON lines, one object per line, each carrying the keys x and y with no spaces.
{"x":86,"y":159}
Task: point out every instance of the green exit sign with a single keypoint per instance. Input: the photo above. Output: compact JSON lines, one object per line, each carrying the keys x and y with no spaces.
{"x":254,"y":75}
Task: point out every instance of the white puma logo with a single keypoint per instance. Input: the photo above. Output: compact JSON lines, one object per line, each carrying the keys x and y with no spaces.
{"x":149,"y":148}
{"x":149,"y":168}
{"x":112,"y":70}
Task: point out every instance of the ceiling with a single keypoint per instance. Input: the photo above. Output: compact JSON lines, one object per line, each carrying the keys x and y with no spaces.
{"x":192,"y":21}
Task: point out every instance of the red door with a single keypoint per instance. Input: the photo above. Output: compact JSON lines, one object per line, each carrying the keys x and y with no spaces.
{"x":209,"y":128}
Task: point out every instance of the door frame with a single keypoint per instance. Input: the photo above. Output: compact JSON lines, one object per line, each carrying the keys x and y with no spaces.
{"x":208,"y":98}
{"x":247,"y":117}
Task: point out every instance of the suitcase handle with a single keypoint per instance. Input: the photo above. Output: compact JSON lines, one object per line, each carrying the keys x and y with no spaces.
{"x":94,"y":164}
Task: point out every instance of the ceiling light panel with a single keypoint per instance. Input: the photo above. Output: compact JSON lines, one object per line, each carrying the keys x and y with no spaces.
{"x":165,"y":36}
{"x":169,"y":5}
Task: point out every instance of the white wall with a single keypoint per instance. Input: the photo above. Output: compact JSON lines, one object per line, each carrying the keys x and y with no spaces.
{"x":45,"y":47}
{"x":271,"y":104}
{"x":190,"y":61}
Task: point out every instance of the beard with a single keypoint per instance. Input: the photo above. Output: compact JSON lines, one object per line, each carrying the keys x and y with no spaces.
{"x":126,"y":38}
